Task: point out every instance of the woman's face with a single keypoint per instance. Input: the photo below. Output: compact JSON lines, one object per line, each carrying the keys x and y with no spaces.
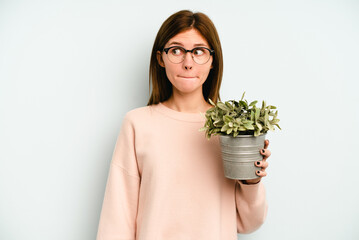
{"x":187,"y":76}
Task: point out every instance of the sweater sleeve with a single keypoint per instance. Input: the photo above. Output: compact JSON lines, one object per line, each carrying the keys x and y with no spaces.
{"x":119,"y":207}
{"x":251,"y":206}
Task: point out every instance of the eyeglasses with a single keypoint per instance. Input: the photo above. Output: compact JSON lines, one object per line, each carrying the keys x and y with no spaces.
{"x":177,"y":54}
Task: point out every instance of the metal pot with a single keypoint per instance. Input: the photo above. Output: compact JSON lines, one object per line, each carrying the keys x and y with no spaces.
{"x":239,"y":155}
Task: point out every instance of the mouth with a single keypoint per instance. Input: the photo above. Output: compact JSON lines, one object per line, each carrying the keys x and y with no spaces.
{"x":187,"y":77}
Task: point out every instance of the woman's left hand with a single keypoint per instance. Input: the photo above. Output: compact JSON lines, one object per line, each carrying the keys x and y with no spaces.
{"x":263,"y":164}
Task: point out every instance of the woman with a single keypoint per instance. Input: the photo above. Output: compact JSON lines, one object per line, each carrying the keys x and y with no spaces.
{"x":166,"y":179}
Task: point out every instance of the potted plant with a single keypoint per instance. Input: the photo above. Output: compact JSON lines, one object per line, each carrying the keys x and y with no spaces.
{"x":242,"y":128}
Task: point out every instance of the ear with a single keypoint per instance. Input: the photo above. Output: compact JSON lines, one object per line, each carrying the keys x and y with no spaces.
{"x":159,"y":59}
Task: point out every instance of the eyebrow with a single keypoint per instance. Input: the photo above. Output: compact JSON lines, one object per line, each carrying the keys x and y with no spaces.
{"x":196,"y":45}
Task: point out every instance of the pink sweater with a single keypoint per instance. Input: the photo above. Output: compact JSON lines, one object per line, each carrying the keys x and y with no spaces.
{"x":166,"y":182}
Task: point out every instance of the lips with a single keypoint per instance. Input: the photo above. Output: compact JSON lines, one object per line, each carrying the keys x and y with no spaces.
{"x":186,"y":77}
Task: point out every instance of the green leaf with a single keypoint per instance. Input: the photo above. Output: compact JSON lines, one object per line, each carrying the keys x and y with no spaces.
{"x":247,"y":122}
{"x":222,"y":106}
{"x":243,"y":95}
{"x":266,"y":117}
{"x":230,"y":107}
{"x":242,"y":128}
{"x":229,"y":130}
{"x":248,"y":126}
{"x":274,"y":121}
{"x":227,"y":118}
{"x":244,"y":104}
{"x":263,"y":106}
{"x":211,"y":102}
{"x":271,"y":107}
{"x":257,"y":112}
{"x":224,"y":128}
{"x":253,"y":103}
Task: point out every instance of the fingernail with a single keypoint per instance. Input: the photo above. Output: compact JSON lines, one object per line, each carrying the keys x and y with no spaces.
{"x":258,"y":163}
{"x":263,"y":151}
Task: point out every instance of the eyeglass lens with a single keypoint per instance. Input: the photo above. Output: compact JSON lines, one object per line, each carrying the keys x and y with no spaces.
{"x":200,"y":55}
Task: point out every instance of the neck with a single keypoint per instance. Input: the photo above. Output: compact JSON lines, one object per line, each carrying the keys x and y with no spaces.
{"x":190,"y":103}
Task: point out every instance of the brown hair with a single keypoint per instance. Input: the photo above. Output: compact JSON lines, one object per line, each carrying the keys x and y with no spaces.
{"x":177,"y":23}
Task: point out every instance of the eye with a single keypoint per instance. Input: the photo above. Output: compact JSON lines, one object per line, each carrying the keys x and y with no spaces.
{"x":176,"y":51}
{"x":199,"y":51}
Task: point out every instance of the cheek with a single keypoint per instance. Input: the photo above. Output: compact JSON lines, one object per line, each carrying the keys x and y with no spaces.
{"x":170,"y":70}
{"x":205,"y":71}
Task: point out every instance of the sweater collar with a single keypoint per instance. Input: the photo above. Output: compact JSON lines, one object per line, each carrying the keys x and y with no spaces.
{"x":182,"y":116}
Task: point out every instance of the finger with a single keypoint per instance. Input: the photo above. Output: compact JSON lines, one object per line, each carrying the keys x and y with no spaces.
{"x":262,"y":164}
{"x":266,"y":153}
{"x":266,"y":143}
{"x":251,"y":181}
{"x":261,"y":173}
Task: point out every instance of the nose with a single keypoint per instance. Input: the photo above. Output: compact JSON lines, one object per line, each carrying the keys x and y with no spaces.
{"x":188,"y":61}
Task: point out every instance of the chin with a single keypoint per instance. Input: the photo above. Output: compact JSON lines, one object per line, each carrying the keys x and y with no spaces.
{"x":188,"y":89}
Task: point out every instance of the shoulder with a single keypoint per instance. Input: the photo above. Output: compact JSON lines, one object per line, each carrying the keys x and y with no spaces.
{"x":138,"y":114}
{"x":138,"y":119}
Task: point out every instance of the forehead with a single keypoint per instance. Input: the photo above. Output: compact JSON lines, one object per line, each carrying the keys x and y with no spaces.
{"x":189,"y":38}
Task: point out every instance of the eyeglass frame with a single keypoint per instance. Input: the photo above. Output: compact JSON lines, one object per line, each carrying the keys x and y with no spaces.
{"x":211,"y":53}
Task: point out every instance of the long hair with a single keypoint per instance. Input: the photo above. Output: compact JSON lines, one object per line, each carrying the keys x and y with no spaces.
{"x":179,"y":22}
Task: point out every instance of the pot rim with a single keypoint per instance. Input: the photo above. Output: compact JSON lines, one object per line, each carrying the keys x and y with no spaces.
{"x":242,"y":136}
